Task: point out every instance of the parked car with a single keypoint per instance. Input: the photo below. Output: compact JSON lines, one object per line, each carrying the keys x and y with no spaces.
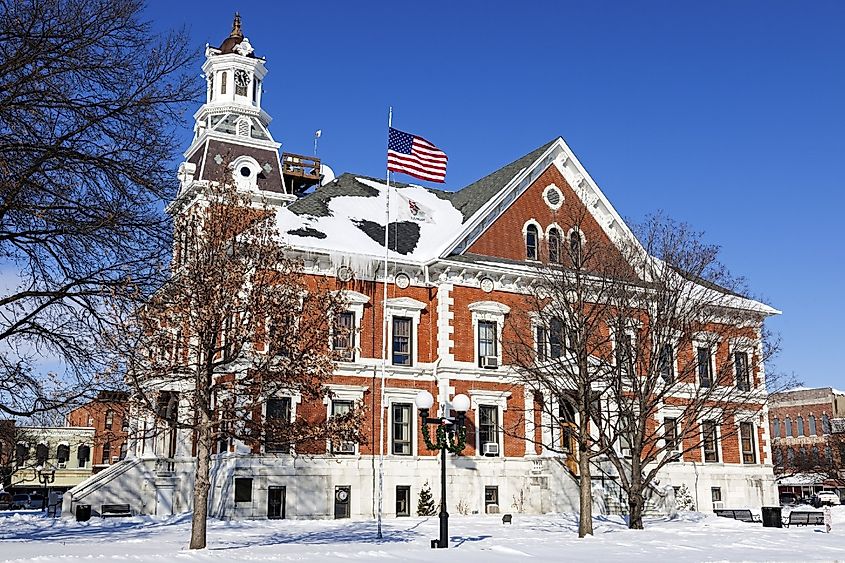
{"x":787,"y":499}
{"x":6,"y":501}
{"x":27,"y":502}
{"x":828,"y":498}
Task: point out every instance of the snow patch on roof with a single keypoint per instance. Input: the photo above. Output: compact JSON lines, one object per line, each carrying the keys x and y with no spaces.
{"x":342,"y":226}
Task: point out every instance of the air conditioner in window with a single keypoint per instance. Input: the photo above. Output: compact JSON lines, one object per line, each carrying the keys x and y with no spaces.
{"x":490,"y":448}
{"x":489,"y":362}
{"x":345,"y":448}
{"x":626,"y":452}
{"x":62,"y":465}
{"x":718,"y":505}
{"x":115,"y":458}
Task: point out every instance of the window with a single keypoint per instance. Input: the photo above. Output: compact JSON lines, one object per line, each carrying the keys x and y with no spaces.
{"x":83,"y":455}
{"x":491,"y":497}
{"x":554,"y":246}
{"x":705,"y":373}
{"x":278,"y":418}
{"x":811,"y":421}
{"x":343,"y":342}
{"x":402,"y":341}
{"x":255,"y":90}
{"x":825,"y":424}
{"x":224,"y":77}
{"x":746,"y":438}
{"x":531,"y":238}
{"x":575,"y":249}
{"x":401,"y":443}
{"x":711,"y":444}
{"x":41,"y":454}
{"x":715,"y":495}
{"x":556,"y":338}
{"x":228,"y":338}
{"x":487,"y":344}
{"x":776,"y":427}
{"x":787,"y":424}
{"x":109,"y":420}
{"x":243,"y":489}
{"x":670,"y":434}
{"x":743,"y":379}
{"x":828,"y":454}
{"x":816,"y":459}
{"x":799,"y":425}
{"x":488,"y":426}
{"x":106,"y":453}
{"x":62,"y":453}
{"x":624,"y":343}
{"x":21,"y":454}
{"x":566,"y":418}
{"x":340,"y":408}
{"x":666,"y":363}
{"x":403,"y":500}
{"x":542,"y":344}
{"x":123,"y":450}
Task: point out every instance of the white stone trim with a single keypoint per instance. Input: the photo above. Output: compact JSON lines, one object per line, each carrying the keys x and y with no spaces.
{"x":445,"y":318}
{"x":404,"y":395}
{"x":498,"y":399}
{"x":354,"y":302}
{"x":404,"y":307}
{"x":342,"y":392}
{"x":490,"y":311}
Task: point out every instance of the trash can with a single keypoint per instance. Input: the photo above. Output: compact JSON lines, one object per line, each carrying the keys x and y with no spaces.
{"x":771,"y":517}
{"x":83,"y":512}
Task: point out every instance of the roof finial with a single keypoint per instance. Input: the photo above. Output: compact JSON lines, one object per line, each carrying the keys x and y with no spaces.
{"x":236,"y":26}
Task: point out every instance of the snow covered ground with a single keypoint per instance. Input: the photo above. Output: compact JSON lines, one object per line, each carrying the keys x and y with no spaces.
{"x":691,"y":537}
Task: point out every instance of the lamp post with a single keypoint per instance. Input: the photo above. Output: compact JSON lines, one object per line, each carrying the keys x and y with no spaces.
{"x":450,"y":436}
{"x":45,"y":477}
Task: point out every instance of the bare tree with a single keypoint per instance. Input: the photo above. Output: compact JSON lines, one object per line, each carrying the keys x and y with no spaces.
{"x":235,"y":326}
{"x":91,"y":100}
{"x":656,"y":346}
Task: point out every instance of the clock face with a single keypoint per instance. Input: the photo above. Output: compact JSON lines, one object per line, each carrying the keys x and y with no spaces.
{"x":403,"y":280}
{"x":241,"y":78}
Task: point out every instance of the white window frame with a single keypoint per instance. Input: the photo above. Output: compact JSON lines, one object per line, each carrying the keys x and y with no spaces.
{"x":404,"y":307}
{"x":406,"y":396}
{"x":678,"y":416}
{"x":553,"y":207}
{"x":743,"y":345}
{"x":632,"y":333}
{"x":711,"y":342}
{"x":716,"y":418}
{"x":490,"y":311}
{"x":540,"y":231}
{"x":739,"y":419}
{"x":489,"y":398}
{"x":295,"y":399}
{"x":354,"y":393}
{"x":355,"y":303}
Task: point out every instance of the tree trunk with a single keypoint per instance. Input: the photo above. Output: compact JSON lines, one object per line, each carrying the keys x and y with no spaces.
{"x":585,"y":482}
{"x":636,"y":504}
{"x":201,"y":482}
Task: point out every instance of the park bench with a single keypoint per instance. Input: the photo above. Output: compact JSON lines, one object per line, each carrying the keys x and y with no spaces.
{"x":804,"y":518}
{"x":743,"y":515}
{"x":115,"y":510}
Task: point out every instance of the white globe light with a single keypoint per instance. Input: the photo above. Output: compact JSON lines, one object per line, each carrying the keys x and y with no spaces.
{"x":424,"y":400}
{"x":460,"y":403}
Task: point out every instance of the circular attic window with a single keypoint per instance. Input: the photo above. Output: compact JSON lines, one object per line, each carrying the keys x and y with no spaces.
{"x":245,"y":171}
{"x":553,"y":197}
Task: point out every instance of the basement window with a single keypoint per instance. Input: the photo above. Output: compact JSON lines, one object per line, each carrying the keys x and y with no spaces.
{"x":243,"y":489}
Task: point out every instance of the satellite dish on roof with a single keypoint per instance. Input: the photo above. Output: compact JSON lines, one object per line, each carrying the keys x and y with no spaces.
{"x":326,"y":174}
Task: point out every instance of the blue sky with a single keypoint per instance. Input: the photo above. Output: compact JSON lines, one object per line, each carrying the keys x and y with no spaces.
{"x":727,"y":115}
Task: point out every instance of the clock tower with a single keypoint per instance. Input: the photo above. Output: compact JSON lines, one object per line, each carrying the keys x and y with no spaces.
{"x":232,"y":130}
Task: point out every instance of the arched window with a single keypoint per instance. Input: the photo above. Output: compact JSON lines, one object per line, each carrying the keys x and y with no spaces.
{"x":811,"y":421}
{"x":788,"y":426}
{"x":828,"y":455}
{"x":825,"y":424}
{"x":41,"y":454}
{"x":799,"y":423}
{"x":21,"y":454}
{"x":63,"y":453}
{"x":83,"y":455}
{"x":776,"y":427}
{"x":575,"y":247}
{"x":554,"y":246}
{"x":531,"y":238}
{"x":815,"y":459}
{"x":224,"y":77}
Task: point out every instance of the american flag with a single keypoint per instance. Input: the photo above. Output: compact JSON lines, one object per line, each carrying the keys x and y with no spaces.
{"x":415,"y":156}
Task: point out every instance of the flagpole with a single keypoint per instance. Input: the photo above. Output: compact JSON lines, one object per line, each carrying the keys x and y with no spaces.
{"x":384,"y":336}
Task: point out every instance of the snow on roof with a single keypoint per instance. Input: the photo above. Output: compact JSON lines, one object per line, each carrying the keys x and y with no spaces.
{"x":354,"y":223}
